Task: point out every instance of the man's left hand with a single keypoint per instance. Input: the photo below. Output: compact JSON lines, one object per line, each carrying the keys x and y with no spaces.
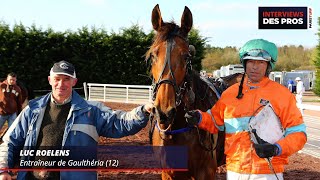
{"x":266,"y":150}
{"x":147,"y":108}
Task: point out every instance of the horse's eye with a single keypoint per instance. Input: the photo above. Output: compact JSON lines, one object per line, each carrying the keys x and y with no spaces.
{"x":186,"y":56}
{"x":154,"y":57}
{"x":155,"y":52}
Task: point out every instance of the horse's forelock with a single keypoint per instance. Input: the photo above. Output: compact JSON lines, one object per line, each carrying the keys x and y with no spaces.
{"x":167,"y":31}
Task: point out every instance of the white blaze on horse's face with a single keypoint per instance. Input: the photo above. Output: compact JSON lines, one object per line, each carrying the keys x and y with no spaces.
{"x":170,"y":51}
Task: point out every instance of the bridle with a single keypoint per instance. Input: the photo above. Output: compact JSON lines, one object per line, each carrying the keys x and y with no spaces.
{"x":179,"y":90}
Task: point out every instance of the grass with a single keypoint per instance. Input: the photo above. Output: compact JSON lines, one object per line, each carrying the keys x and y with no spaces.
{"x":311,"y":100}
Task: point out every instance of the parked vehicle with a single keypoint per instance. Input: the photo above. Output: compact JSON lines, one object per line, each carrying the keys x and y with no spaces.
{"x":307,"y":77}
{"x":228,"y":70}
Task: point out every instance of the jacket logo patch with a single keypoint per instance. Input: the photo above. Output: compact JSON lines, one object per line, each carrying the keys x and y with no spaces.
{"x":104,"y":115}
{"x":63,"y":66}
{"x":264,"y":102}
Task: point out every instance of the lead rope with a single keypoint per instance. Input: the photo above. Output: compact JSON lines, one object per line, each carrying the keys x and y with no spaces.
{"x":212,"y":147}
{"x":152,"y":126}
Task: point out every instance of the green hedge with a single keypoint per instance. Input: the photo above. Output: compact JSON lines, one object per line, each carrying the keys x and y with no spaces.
{"x":99,"y":56}
{"x":316,"y":89}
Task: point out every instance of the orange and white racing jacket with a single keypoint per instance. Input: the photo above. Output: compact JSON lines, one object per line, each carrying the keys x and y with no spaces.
{"x":233,"y":114}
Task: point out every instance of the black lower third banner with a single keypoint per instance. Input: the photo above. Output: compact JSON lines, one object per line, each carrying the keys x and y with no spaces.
{"x":103,"y":157}
{"x":283,"y":17}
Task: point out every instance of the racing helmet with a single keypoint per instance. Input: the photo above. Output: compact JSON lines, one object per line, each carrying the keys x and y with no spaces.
{"x":259,"y":49}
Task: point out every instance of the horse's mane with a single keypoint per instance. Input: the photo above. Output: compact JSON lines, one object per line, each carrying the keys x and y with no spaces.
{"x":167,"y":31}
{"x":203,"y":94}
{"x":205,"y":98}
{"x":232,"y":76}
{"x":221,"y":84}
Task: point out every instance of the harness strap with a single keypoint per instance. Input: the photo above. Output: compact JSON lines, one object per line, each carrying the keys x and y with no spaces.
{"x":152,"y":125}
{"x":212,"y":87}
{"x":178,"y":131}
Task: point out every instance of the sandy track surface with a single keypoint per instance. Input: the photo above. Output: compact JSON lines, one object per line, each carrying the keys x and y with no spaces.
{"x":301,"y":166}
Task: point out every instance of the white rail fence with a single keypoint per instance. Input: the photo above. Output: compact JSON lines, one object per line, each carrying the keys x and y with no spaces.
{"x":311,"y":107}
{"x":135,"y":94}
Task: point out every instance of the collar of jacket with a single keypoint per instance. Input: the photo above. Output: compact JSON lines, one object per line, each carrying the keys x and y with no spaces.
{"x":262,"y":83}
{"x":77,"y":102}
{"x":6,"y":83}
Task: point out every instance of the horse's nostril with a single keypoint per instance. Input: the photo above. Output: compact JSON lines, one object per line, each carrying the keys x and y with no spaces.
{"x":163,"y":118}
{"x":153,"y":110}
{"x":172,"y":113}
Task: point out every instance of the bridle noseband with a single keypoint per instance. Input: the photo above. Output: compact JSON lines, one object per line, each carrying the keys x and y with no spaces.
{"x":179,"y":90}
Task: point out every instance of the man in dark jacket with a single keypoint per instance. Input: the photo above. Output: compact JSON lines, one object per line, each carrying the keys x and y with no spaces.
{"x":10,"y":100}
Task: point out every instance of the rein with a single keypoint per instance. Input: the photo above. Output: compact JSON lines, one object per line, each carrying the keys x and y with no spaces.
{"x":217,"y":90}
{"x":177,"y":131}
{"x":179,"y":90}
{"x":216,"y":87}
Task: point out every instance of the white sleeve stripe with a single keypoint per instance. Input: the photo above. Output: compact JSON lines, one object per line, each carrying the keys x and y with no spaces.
{"x":221,"y":128}
{"x":87,"y":129}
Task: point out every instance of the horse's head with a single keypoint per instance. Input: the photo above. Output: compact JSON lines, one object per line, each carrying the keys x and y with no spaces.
{"x":170,"y":64}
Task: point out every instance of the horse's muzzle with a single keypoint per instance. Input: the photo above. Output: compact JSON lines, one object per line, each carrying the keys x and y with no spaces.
{"x":164,"y":118}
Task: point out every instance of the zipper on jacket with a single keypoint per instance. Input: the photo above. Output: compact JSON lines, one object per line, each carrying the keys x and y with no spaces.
{"x":29,"y":129}
{"x":33,"y":120}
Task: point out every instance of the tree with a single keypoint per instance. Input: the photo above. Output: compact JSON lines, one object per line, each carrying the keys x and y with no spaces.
{"x":317,"y":64}
{"x":199,"y":43}
{"x":99,"y":56}
{"x":215,"y":57}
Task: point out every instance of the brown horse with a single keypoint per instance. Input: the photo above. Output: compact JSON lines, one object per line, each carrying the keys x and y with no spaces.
{"x":177,"y":89}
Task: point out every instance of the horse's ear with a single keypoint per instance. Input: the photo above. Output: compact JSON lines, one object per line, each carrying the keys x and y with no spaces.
{"x":186,"y":20}
{"x":156,"y":18}
{"x":192,"y":50}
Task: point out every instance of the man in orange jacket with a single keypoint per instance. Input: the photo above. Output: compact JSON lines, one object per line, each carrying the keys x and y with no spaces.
{"x":240,"y":103}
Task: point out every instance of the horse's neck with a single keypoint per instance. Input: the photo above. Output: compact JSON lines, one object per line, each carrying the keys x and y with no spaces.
{"x":204,"y":100}
{"x":179,"y":121}
{"x":203,"y":96}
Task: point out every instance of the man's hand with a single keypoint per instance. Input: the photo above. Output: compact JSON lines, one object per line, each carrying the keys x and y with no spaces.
{"x":266,"y":150}
{"x":5,"y":176}
{"x":147,"y":109}
{"x":192,"y":117}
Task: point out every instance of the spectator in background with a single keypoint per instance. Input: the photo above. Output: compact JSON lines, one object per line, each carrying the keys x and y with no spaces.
{"x":300,"y":90}
{"x":10,"y":100}
{"x":62,"y":118}
{"x":290,"y":85}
